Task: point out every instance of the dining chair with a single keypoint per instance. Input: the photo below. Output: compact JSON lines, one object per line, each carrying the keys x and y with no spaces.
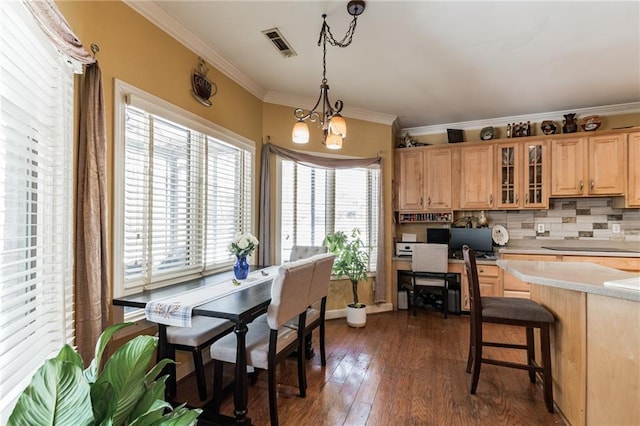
{"x":202,"y":333}
{"x":318,"y":293}
{"x":268,"y":343}
{"x":429,"y":266}
{"x":301,"y":252}
{"x":509,"y":311}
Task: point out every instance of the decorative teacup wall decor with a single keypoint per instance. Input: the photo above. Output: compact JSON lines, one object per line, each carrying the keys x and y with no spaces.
{"x":569,"y":123}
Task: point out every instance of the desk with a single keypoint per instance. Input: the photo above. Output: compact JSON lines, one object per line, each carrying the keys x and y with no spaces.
{"x":241,"y":307}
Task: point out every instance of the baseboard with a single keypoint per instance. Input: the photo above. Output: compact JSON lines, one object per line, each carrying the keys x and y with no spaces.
{"x":371,"y":309}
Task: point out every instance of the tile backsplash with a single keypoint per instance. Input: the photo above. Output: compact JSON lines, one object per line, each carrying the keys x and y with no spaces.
{"x":571,"y":219}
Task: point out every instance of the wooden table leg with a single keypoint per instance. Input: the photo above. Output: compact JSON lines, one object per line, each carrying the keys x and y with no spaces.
{"x":241,"y":389}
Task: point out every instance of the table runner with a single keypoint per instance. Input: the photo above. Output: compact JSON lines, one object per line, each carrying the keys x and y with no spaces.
{"x":176,"y":309}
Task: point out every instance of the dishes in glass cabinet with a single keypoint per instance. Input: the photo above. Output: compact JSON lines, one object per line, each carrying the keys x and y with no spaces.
{"x":591,"y":123}
{"x":487,"y":133}
{"x":548,"y":127}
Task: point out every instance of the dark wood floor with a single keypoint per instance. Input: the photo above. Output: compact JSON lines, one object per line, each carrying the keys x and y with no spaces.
{"x":398,"y":370}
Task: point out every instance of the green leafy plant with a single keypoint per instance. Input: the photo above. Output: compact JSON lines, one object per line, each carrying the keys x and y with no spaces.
{"x":123,"y":392}
{"x":351,"y":259}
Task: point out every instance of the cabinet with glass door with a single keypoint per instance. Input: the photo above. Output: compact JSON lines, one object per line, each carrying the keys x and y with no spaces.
{"x":522,"y":175}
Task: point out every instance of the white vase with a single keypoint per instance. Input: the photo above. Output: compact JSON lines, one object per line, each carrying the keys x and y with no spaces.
{"x":356,"y":317}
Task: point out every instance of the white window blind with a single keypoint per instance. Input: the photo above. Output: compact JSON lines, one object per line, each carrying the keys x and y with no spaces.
{"x":186,"y":191}
{"x":316,"y":201}
{"x":36,"y":111}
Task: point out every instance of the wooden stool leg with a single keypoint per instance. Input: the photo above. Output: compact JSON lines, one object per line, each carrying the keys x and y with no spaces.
{"x":471,"y":340}
{"x":531,"y":353}
{"x":545,"y":343}
{"x":477,"y":360}
{"x":217,"y":385}
{"x":200,"y":376}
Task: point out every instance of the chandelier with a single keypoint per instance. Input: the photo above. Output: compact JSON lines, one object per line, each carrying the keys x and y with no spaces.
{"x":334,"y":127}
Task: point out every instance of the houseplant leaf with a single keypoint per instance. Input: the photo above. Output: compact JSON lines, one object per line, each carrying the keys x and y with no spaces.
{"x":91,"y":373}
{"x":104,"y":403}
{"x":125,"y":371}
{"x":57,"y":395}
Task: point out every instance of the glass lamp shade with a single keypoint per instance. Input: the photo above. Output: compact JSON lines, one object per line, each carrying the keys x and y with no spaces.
{"x":334,"y":141}
{"x":300,"y":132}
{"x":338,"y":125}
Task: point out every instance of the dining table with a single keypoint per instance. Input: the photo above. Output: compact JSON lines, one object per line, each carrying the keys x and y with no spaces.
{"x":240,"y":307}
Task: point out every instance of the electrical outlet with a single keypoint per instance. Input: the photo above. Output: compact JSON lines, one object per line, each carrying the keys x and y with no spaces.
{"x":615,"y":228}
{"x":541,"y":228}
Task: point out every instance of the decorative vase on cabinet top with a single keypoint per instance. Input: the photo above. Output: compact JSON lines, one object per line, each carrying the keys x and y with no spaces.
{"x":570,"y":125}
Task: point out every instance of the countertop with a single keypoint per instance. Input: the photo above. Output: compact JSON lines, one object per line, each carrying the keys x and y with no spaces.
{"x":573,"y":247}
{"x":577,"y":276}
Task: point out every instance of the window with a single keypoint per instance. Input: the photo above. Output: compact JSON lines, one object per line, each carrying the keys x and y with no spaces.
{"x":185,"y":190}
{"x":36,"y":140}
{"x":316,"y":201}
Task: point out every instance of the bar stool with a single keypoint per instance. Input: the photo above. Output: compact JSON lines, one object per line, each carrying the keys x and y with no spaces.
{"x":510,"y":311}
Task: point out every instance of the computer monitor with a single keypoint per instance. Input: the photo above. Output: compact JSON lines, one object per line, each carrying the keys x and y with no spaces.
{"x":478,"y":239}
{"x":438,"y":235}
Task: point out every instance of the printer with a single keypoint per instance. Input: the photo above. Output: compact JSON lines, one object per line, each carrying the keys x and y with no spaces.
{"x":405,"y":249}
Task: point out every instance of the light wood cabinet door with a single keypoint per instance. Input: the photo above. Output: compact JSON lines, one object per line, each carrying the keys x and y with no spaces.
{"x":633,"y":189}
{"x":568,"y":167}
{"x":522,"y":181}
{"x":607,"y":165}
{"x":509,"y":176}
{"x":437,"y":180}
{"x":411,"y":186}
{"x":515,"y":287}
{"x":477,"y":177}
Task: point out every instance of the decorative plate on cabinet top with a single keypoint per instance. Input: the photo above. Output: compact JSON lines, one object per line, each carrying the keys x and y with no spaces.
{"x":548,"y":127}
{"x":487,"y":133}
{"x":500,"y":235}
{"x":591,"y":123}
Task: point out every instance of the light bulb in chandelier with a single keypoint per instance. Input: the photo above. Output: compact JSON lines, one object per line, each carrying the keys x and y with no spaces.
{"x":338,"y":125}
{"x":333,"y":141}
{"x":300,"y":132}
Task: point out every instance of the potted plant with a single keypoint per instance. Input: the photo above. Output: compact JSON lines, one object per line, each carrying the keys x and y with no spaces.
{"x":122,"y":392}
{"x":352,"y":262}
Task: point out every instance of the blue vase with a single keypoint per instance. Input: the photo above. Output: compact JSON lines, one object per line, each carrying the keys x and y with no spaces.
{"x":241,"y":267}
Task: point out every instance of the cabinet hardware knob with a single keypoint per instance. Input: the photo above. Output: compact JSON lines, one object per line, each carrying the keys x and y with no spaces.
{"x":517,"y":198}
{"x":491,"y":199}
{"x":581,"y":184}
{"x":428,"y":201}
{"x":592,"y":184}
{"x":421,"y":201}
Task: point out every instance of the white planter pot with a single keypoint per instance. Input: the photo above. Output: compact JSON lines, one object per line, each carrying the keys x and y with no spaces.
{"x":356,"y":317}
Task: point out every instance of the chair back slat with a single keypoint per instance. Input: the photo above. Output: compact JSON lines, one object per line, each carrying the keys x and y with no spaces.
{"x":321,"y":277}
{"x":475,"y":302}
{"x":289,"y":292}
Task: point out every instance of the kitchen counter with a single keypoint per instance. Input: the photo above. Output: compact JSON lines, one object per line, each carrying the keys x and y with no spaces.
{"x":573,"y":248}
{"x":595,"y":339}
{"x":577,"y":276}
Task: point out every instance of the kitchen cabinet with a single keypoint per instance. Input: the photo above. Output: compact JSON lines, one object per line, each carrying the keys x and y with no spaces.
{"x":589,"y":166}
{"x":425,"y":179}
{"x":477,"y":179}
{"x":633,"y":189}
{"x":490,"y":283}
{"x":522,"y":180}
{"x":411,"y":189}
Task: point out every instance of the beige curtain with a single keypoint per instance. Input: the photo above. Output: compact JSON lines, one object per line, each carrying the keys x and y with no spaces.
{"x":265,"y":256}
{"x":91,"y":250}
{"x":91,"y":274}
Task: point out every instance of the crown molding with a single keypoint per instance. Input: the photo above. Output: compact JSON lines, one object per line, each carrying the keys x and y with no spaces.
{"x":629,"y":108}
{"x":178,"y":31}
{"x":357,"y":113}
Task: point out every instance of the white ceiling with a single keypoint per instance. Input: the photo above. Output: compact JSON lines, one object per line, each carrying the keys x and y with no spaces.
{"x":427,"y":63}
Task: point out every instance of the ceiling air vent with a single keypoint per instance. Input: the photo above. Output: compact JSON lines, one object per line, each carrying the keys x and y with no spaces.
{"x":275,"y":36}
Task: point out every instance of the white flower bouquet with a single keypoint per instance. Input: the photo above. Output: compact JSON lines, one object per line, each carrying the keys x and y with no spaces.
{"x":243,"y":244}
